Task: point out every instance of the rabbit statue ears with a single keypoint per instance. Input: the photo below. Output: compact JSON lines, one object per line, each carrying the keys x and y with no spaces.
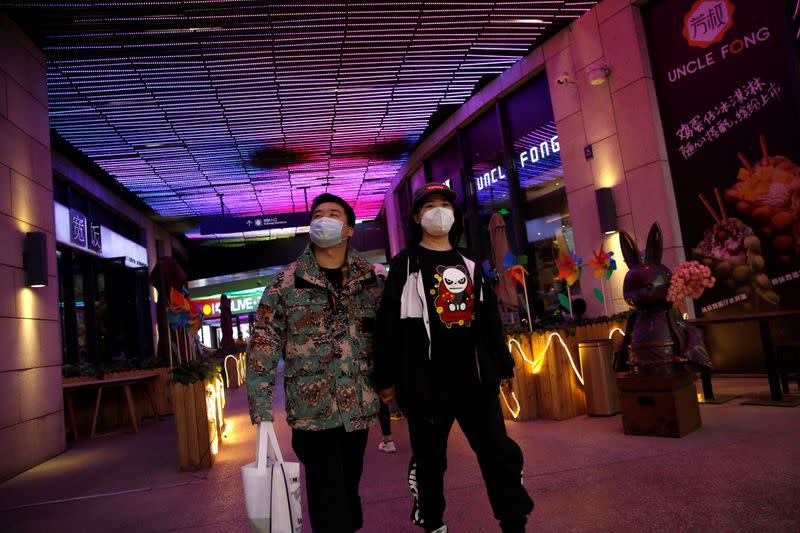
{"x":653,"y":251}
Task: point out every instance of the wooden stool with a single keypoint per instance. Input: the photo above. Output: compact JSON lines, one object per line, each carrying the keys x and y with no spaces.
{"x":659,"y":406}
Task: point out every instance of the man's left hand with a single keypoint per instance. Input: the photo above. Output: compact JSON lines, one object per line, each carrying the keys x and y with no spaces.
{"x":506,"y":385}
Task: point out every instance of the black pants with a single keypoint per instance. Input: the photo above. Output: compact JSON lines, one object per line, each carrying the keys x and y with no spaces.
{"x":499,"y":458}
{"x":384,"y":418}
{"x":333,"y":460}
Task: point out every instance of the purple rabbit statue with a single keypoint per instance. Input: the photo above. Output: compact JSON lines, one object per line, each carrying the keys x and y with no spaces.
{"x":657,"y":339}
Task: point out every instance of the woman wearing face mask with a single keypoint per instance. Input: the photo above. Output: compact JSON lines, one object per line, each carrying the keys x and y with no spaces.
{"x":439,"y":348}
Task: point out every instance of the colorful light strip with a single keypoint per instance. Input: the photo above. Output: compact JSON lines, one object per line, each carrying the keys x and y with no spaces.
{"x":173,"y":98}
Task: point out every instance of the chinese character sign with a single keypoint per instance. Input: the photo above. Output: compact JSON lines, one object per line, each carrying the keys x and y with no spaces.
{"x":95,"y":241}
{"x":728,"y":95}
{"x":707,"y":21}
{"x":77,"y":227}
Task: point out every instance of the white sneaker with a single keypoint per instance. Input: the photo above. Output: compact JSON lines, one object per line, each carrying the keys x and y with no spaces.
{"x":387,"y":447}
{"x":442,"y":529}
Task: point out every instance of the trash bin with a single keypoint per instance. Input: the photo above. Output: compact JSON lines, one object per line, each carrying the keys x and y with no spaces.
{"x":599,"y":378}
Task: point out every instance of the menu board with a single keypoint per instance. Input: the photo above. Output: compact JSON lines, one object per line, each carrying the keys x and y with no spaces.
{"x":726,"y":74}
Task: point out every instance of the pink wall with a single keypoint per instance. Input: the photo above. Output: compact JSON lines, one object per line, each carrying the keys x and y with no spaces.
{"x":31,"y":416}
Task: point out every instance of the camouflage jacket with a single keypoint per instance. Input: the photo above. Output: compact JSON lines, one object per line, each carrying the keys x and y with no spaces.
{"x":325,"y":338}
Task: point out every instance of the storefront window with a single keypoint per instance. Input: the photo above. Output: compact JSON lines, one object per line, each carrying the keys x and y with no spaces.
{"x":445,"y":167}
{"x":80,"y":306}
{"x":490,"y":183}
{"x":105,"y":309}
{"x":537,"y":160}
{"x":418,"y":178}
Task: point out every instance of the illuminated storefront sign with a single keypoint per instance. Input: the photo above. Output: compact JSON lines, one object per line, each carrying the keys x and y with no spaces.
{"x":530,"y":156}
{"x":77,"y":228}
{"x":74,"y":230}
{"x":540,"y":151}
{"x":490,"y":178}
{"x":242,"y":302}
{"x":95,"y":243}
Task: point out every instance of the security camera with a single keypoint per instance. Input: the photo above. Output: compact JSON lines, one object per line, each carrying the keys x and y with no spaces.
{"x":564,"y":79}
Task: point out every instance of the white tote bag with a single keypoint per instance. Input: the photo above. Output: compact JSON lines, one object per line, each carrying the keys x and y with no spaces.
{"x":271,"y":487}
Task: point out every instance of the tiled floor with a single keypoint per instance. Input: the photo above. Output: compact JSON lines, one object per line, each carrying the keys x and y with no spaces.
{"x":739,"y":472}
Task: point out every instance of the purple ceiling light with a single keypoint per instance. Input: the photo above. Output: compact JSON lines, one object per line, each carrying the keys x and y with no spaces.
{"x":183,"y":100}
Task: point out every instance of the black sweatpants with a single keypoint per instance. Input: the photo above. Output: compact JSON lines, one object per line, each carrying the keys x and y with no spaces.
{"x":333,"y":461}
{"x":499,"y":458}
{"x":385,"y":420}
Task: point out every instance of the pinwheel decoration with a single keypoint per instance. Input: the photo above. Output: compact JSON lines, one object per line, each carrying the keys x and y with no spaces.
{"x":514,"y":273}
{"x":517,"y":274}
{"x":604,"y":267}
{"x":182,"y":312}
{"x":603,"y":263}
{"x":570,"y":267}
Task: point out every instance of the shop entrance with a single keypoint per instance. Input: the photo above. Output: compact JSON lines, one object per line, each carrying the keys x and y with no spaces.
{"x":104,"y":308}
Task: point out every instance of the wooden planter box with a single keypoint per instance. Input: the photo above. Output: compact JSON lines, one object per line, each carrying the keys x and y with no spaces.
{"x":78,"y":379}
{"x":548,"y":388}
{"x":162,"y":391}
{"x":198,"y":422}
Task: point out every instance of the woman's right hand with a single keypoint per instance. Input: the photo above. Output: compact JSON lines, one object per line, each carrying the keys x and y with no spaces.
{"x":387,"y":395}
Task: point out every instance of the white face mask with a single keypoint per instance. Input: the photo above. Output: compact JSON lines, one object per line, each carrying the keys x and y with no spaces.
{"x":325,"y":232}
{"x":438,"y":221}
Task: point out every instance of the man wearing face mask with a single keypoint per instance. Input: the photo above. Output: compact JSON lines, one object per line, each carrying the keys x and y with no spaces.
{"x":319,"y":315}
{"x":440,"y":349}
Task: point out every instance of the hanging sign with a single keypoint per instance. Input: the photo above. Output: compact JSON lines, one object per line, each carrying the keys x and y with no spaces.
{"x":218,"y":225}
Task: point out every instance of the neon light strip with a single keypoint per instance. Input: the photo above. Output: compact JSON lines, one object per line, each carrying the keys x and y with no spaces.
{"x":514,"y":412}
{"x":615,"y":330}
{"x":537,"y":365}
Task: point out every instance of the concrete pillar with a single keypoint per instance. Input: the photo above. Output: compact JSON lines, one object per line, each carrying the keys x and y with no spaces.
{"x":621,"y":120}
{"x":31,"y":416}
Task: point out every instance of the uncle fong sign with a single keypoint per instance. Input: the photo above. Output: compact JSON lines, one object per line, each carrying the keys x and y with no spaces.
{"x":726,"y":74}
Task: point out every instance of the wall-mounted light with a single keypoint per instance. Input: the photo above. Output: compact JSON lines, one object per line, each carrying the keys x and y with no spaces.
{"x":598,"y":73}
{"x":34,"y":259}
{"x":606,"y":210}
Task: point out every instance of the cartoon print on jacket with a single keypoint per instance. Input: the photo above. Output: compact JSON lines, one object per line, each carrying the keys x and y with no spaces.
{"x":454,"y":297}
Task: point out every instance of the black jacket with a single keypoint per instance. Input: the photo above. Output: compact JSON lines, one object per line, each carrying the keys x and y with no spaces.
{"x":402,"y":338}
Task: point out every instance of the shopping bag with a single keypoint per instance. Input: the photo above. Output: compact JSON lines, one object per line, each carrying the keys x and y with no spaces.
{"x":271,"y":487}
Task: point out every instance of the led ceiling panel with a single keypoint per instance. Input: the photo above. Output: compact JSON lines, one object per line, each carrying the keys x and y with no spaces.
{"x":268,"y":104}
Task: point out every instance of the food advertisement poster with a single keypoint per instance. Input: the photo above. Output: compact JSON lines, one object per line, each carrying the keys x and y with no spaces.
{"x":726,"y":74}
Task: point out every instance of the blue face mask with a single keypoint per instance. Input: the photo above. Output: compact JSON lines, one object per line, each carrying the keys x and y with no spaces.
{"x":325,"y":232}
